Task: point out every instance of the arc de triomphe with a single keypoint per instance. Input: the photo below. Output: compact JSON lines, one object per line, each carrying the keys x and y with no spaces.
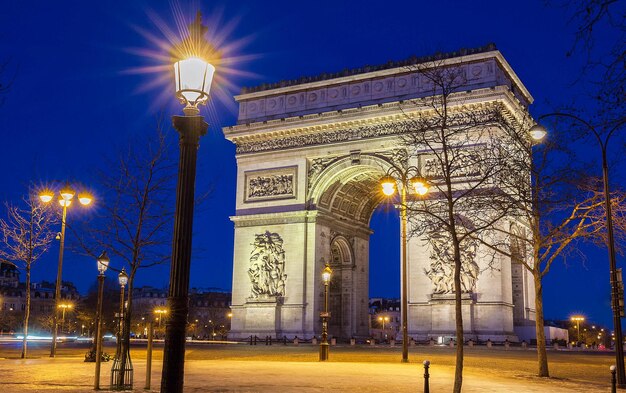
{"x":310,"y":154}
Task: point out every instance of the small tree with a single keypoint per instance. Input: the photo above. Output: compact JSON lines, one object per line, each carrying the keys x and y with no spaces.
{"x":461,"y":151}
{"x":137,"y":212}
{"x":26,"y":235}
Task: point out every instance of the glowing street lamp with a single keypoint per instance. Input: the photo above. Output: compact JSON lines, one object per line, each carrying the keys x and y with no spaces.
{"x":65,"y":200}
{"x":160,"y":312}
{"x":324,"y":347}
{"x":578,"y":319}
{"x":64,"y":306}
{"x":383,"y":320}
{"x":420,"y":186}
{"x":193,"y":66}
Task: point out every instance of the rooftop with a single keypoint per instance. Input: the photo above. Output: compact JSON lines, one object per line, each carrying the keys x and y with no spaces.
{"x":413,"y":60}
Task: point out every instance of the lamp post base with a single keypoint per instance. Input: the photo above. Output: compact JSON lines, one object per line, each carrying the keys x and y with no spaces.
{"x":324,"y":350}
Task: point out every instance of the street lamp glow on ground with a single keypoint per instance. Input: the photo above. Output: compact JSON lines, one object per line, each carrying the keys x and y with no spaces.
{"x":420,"y":186}
{"x":194,"y":65}
{"x":65,"y":200}
{"x":617,"y":295}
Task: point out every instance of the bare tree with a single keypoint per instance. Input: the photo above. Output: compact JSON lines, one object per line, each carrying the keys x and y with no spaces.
{"x":461,"y":151}
{"x":26,"y":235}
{"x":137,"y":212}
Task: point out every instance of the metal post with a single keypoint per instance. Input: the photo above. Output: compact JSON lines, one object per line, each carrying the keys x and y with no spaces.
{"x":403,"y":268}
{"x":613,"y":385}
{"x":149,"y":356}
{"x":57,"y":290}
{"x":615,"y":298}
{"x":426,"y":376}
{"x":96,"y":384}
{"x":190,"y":128}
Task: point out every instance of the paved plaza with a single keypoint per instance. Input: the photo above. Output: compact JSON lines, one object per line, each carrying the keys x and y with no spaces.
{"x":241,"y":368}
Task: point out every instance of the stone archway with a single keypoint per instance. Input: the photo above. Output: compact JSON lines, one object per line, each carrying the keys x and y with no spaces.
{"x":310,"y":155}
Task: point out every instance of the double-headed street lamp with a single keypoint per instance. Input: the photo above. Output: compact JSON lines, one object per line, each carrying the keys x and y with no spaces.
{"x":578,"y":319}
{"x":420,"y":186}
{"x":64,"y":307}
{"x":160,"y":312}
{"x":193,"y":74}
{"x":65,"y":200}
{"x":383,"y":320}
{"x":603,"y":139}
{"x":324,"y":347}
{"x":103,"y":264}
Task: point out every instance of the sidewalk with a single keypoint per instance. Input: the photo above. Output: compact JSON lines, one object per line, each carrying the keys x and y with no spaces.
{"x":73,"y":375}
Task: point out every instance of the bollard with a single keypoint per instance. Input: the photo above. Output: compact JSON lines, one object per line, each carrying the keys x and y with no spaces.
{"x":250,"y":339}
{"x":392,"y":343}
{"x":524,"y":344}
{"x":426,"y":385}
{"x":488,"y":343}
{"x":506,"y":344}
{"x":613,"y":381}
{"x":333,"y":341}
{"x":270,"y":337}
{"x":352,"y":342}
{"x":255,"y":339}
{"x":431,"y":342}
{"x":285,"y":340}
{"x":470,"y":343}
{"x":451,"y":343}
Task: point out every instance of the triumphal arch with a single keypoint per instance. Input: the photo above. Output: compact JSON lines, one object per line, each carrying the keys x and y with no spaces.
{"x":310,"y":154}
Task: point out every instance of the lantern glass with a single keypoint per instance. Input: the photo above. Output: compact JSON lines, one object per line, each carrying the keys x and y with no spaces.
{"x":123,"y":278}
{"x":67,"y":194}
{"x":103,"y":262}
{"x":388,"y":185}
{"x":84,"y":199}
{"x":538,"y":132}
{"x":420,"y":185}
{"x":46,"y":196}
{"x":193,"y":80}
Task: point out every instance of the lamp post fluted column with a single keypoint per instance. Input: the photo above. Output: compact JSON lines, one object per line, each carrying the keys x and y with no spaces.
{"x":57,"y":288}
{"x":190,"y":129}
{"x":403,"y":268}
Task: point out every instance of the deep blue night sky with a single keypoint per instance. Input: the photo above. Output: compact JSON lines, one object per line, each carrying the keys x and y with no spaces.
{"x":74,"y":100}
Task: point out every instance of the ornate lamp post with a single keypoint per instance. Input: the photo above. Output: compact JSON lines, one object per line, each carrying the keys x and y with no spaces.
{"x":103,"y":264}
{"x":617,"y":294}
{"x":193,"y":75}
{"x":324,"y":347}
{"x":122,"y":370}
{"x":420,"y":186}
{"x":65,"y":200}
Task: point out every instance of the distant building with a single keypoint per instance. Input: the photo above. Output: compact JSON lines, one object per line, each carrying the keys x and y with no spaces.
{"x":13,"y":299}
{"x":384,"y":318}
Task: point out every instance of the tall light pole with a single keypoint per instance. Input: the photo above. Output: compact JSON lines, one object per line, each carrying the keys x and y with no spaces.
{"x":193,"y":75}
{"x":160,"y":312}
{"x":617,"y":295}
{"x":65,"y":200}
{"x":420,"y":186}
{"x":103,"y":264}
{"x":578,"y":319}
{"x":324,"y":347}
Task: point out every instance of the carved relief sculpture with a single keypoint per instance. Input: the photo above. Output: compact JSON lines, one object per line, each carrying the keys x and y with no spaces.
{"x":268,"y":184}
{"x":267,"y":266}
{"x":441,"y":271}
